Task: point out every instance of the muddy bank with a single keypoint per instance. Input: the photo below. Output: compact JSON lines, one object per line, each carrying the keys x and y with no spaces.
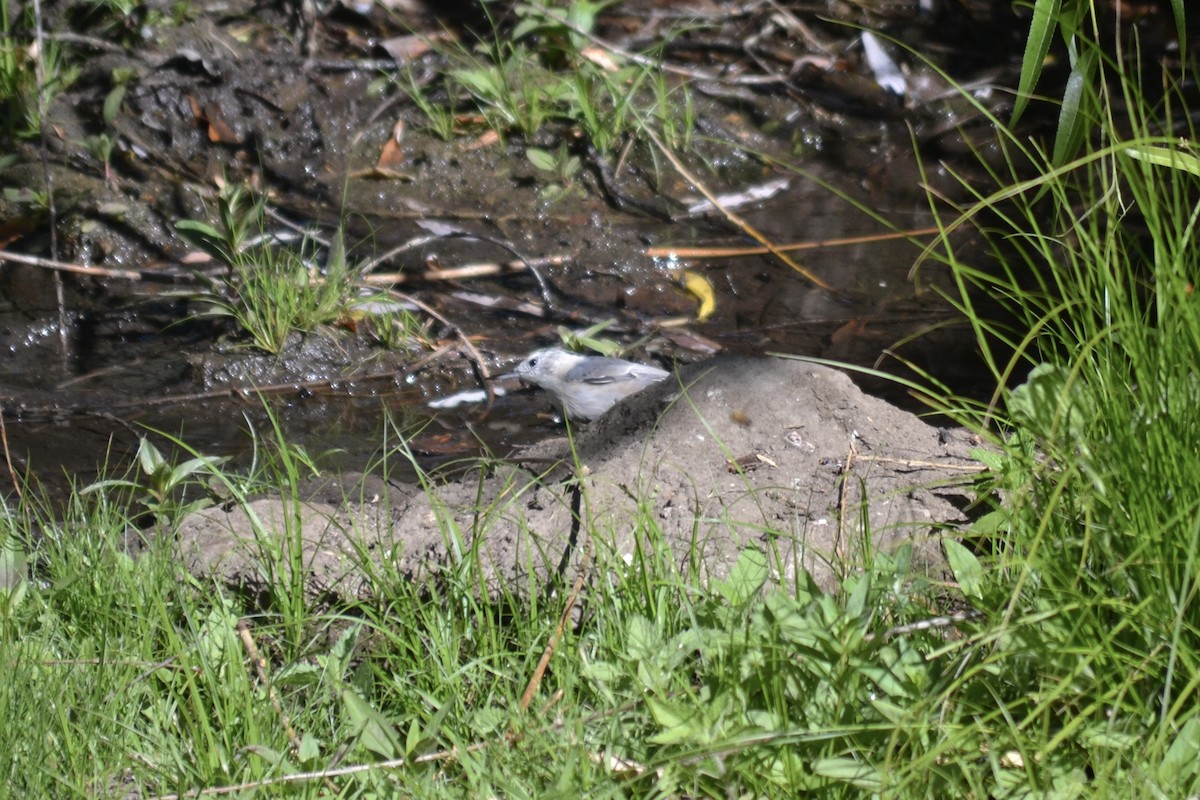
{"x":786,"y":457}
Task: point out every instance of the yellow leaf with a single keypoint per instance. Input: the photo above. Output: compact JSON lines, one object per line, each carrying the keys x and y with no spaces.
{"x":700,"y":287}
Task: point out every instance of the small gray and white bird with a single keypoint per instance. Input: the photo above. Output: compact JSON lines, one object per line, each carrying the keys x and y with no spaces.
{"x":585,"y":386}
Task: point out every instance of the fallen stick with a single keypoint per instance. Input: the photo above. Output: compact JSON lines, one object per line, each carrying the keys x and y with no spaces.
{"x":667,"y":251}
{"x":464,"y":271}
{"x":80,"y":269}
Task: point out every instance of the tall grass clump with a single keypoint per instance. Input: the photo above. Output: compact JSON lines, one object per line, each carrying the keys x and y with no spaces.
{"x":1087,"y":677}
{"x":276,"y":289}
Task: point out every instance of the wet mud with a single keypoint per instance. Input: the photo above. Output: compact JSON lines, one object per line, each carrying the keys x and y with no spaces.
{"x":311,"y":114}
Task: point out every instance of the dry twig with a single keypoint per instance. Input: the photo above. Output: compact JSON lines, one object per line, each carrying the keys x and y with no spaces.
{"x":667,"y":251}
{"x":745,"y":226}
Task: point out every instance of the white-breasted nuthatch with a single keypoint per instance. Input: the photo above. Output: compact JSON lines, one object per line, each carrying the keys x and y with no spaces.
{"x":585,"y":386}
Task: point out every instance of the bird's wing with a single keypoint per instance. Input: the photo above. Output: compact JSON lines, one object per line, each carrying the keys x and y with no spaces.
{"x":599,"y":371}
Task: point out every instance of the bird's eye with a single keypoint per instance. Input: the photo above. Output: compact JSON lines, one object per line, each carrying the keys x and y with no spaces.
{"x":533,"y":362}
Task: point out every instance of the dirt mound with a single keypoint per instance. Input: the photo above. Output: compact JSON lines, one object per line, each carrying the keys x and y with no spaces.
{"x":771,"y":453}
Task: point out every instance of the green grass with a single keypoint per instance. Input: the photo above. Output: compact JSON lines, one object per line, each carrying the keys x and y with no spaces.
{"x":1092,"y":557}
{"x":538,"y":79}
{"x":665,"y":686}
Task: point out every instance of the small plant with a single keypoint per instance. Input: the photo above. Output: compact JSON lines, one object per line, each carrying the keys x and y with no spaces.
{"x":21,"y":106}
{"x":36,"y":199}
{"x":439,"y":113}
{"x":281,"y":294}
{"x":240,"y":215}
{"x":271,"y":292}
{"x":547,"y":76}
{"x":162,"y":482}
{"x":391,"y":326}
{"x":562,"y":164}
{"x":511,"y":91}
{"x":101,"y":144}
{"x":121,"y":10}
{"x":675,"y":111}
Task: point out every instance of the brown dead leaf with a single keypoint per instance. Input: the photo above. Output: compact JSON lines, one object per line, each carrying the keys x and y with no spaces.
{"x":601,"y":58}
{"x":852,"y":330}
{"x":393,"y":150}
{"x":487,"y":139}
{"x":219,"y":131}
{"x":406,"y":49}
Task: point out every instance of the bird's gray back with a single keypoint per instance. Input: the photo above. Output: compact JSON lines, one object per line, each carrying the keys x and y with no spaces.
{"x":601,"y":369}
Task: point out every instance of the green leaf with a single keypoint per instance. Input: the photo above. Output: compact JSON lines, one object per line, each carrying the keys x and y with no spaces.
{"x":601,"y":671}
{"x":526,"y":26}
{"x":1052,"y":405}
{"x":748,"y":575}
{"x":487,"y":721}
{"x":992,"y":460}
{"x":1100,"y":736}
{"x":413,"y":740}
{"x":787,"y":615}
{"x":1037,"y":45}
{"x":483,"y":81}
{"x":847,"y":770}
{"x":297,"y":675}
{"x":216,"y":632}
{"x":1073,"y":124}
{"x":1181,"y":31}
{"x":642,"y":637}
{"x":992,"y":522}
{"x":112,"y":103}
{"x":679,"y":723}
{"x":966,"y":568}
{"x":577,"y":340}
{"x":856,"y":604}
{"x":766,"y":720}
{"x":194,"y":465}
{"x":1165,"y":157}
{"x":310,"y":748}
{"x":889,"y":679}
{"x":542,"y":159}
{"x":196,"y":226}
{"x":1179,"y":765}
{"x":343,"y":649}
{"x":268,"y":754}
{"x":110,"y":484}
{"x":374,"y":730}
{"x":13,"y":574}
{"x":149,"y":457}
{"x":582,"y":15}
{"x":890,"y":711}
